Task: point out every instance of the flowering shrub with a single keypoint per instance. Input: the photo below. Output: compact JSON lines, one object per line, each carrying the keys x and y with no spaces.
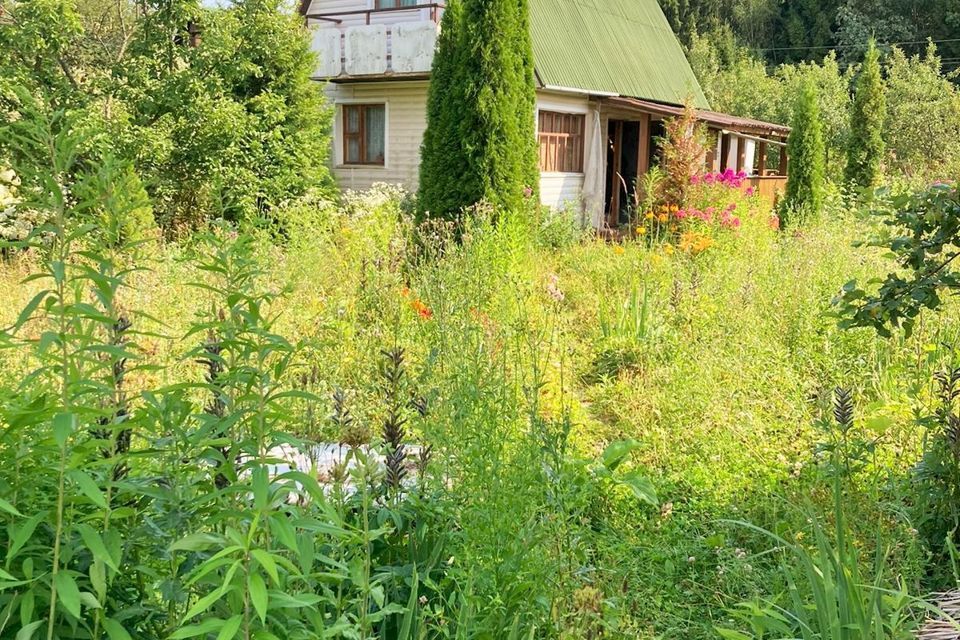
{"x":715,"y":203}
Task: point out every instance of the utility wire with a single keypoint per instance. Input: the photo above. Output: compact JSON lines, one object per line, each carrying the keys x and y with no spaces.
{"x":857,"y":46}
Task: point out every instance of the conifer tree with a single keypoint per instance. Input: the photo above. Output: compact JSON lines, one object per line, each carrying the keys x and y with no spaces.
{"x":866,"y":148}
{"x":805,"y":148}
{"x":444,"y":174}
{"x":480,"y":143}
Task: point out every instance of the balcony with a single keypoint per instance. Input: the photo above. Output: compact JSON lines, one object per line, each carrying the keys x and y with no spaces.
{"x":375,"y":43}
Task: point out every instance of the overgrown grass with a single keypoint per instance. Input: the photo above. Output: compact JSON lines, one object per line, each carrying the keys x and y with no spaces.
{"x":534,"y":354}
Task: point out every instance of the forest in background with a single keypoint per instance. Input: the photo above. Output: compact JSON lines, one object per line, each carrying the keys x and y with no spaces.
{"x":791,"y":31}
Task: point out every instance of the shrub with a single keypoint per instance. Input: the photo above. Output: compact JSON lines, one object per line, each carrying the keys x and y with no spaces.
{"x":481,"y":109}
{"x":682,"y":152}
{"x":805,"y":182}
{"x":922,"y":118}
{"x":865,"y":151}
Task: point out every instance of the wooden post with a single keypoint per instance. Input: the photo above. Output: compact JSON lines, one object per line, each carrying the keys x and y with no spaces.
{"x":762,"y":162}
{"x":643,"y":147}
{"x":741,"y":153}
{"x":784,"y":161}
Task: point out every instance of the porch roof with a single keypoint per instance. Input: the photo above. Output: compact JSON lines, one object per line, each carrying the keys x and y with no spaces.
{"x":712,"y":118}
{"x":621,"y":47}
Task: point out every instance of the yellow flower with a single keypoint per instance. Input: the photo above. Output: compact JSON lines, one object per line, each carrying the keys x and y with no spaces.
{"x":663,"y":218}
{"x":649,"y":215}
{"x":618,"y":250}
{"x":656,"y":259}
{"x":641,"y":231}
{"x":668,"y":249}
{"x":674,"y":208}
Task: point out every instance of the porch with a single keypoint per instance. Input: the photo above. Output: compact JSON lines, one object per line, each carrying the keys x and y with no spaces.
{"x":632,"y":128}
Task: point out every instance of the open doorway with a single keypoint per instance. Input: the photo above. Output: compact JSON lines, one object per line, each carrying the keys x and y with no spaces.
{"x":623,"y":164}
{"x":631,"y":150}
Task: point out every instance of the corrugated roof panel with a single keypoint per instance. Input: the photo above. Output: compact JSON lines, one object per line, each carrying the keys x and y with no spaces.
{"x":611,"y":46}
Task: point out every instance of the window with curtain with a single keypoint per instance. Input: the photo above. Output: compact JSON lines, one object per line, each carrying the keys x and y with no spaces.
{"x":364,"y":133}
{"x":561,"y":142}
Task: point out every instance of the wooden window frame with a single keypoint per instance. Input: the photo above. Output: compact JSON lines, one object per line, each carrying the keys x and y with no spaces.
{"x":561,"y":141}
{"x":361,"y":134}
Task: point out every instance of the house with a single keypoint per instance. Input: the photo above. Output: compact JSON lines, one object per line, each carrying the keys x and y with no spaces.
{"x":608,"y":73}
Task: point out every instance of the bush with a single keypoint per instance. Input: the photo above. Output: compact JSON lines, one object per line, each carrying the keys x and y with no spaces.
{"x":479,"y":145}
{"x":805,"y":182}
{"x":865,"y":152}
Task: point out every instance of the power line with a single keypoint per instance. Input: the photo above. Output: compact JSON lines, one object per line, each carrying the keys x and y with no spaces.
{"x":857,"y":46}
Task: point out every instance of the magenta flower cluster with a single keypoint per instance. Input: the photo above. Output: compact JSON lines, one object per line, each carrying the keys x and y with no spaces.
{"x":725,"y":217}
{"x":728,"y":178}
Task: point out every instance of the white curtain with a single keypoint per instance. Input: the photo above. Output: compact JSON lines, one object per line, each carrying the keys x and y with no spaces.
{"x":593,"y":179}
{"x":376,"y":133}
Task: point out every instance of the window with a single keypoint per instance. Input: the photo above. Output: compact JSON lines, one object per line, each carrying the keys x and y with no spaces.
{"x":364,"y":133}
{"x":391,"y":4}
{"x":561,"y":142}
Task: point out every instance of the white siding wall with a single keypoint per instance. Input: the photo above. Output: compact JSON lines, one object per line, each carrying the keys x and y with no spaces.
{"x":406,"y":121}
{"x":564,"y":189}
{"x":406,"y":104}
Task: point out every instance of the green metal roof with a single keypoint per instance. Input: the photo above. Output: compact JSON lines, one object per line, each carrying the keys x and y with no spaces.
{"x":611,"y":46}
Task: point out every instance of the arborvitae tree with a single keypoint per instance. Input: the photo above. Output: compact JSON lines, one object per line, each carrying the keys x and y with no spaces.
{"x":480,"y":143}
{"x":444,"y":172}
{"x":866,"y":148}
{"x":805,"y":147}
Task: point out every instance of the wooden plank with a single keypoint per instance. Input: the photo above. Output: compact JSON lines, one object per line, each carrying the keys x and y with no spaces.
{"x":643,"y":148}
{"x":741,"y":153}
{"x":761,"y":160}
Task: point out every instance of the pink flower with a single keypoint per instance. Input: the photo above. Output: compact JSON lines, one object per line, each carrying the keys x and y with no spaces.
{"x":749,"y":191}
{"x":680,"y":214}
{"x":694,"y":179}
{"x":709,"y":178}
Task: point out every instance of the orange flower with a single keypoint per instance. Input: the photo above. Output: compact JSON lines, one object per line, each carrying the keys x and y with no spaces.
{"x":663,"y":218}
{"x":405,"y":291}
{"x":618,"y":250}
{"x":422,"y":309}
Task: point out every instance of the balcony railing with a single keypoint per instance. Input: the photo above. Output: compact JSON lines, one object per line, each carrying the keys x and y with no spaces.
{"x":395,"y":41}
{"x":435,"y":10}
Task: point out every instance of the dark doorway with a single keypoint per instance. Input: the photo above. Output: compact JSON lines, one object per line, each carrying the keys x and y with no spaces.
{"x":623,"y":169}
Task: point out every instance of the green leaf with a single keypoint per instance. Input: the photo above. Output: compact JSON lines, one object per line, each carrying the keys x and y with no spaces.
{"x":258,"y":595}
{"x":193,"y":630}
{"x":23,"y":533}
{"x":205,"y":603}
{"x":68,"y":593}
{"x":197,"y":542}
{"x":641,"y":488}
{"x":732,"y":634}
{"x":26,"y":632}
{"x":616,"y":452}
{"x":230,"y":628}
{"x":115,"y":630}
{"x":407,"y":625}
{"x":88,"y":487}
{"x":30,"y":308}
{"x":95,"y":544}
{"x":268,"y":564}
{"x":9,"y":508}
{"x":64,"y":424}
